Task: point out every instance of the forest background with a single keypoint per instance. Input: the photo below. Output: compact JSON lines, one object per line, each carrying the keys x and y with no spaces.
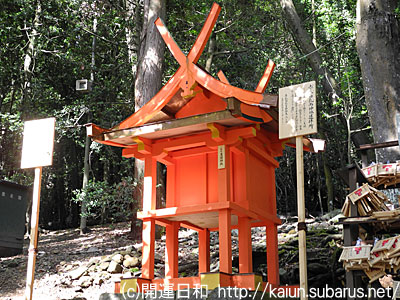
{"x":350,"y":48}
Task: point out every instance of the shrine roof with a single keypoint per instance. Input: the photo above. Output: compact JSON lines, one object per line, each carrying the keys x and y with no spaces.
{"x":192,"y":98}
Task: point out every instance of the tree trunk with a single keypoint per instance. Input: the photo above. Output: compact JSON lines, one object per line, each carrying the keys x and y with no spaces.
{"x":29,"y":61}
{"x":148,"y":79}
{"x":28,"y":68}
{"x":378,"y":44}
{"x":210,"y":52}
{"x":151,"y":55}
{"x":132,"y":36}
{"x":83,"y":223}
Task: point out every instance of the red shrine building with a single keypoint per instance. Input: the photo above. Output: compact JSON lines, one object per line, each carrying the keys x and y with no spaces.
{"x":218,"y":143}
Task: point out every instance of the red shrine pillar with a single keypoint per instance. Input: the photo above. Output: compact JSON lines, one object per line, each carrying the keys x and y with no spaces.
{"x":245,"y":248}
{"x":204,"y":251}
{"x":272,"y":254}
{"x":224,"y":218}
{"x":171,"y":250}
{"x":149,"y":203}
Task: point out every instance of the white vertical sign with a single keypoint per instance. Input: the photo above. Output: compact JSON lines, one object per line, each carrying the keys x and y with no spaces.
{"x":221,"y":157}
{"x":38,"y":143}
{"x":297,"y":110}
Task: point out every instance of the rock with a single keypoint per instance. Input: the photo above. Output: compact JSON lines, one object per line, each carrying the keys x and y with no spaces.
{"x":92,"y":250}
{"x":114,"y":267}
{"x":68,"y":268}
{"x":98,"y":281}
{"x":118,"y":258}
{"x":126,"y":274}
{"x":12,"y":264}
{"x":138,"y":247}
{"x":85,"y":281}
{"x":335,"y":219}
{"x":76,"y":274}
{"x":131,"y":262}
{"x":78,"y":289}
{"x":116,"y":277}
{"x":92,"y":268}
{"x":214,"y":267}
{"x":322,"y":225}
{"x":66,"y":281}
{"x":93,"y":261}
{"x":316,"y":268}
{"x":106,"y":258}
{"x":158,"y":257}
{"x":104,"y":265}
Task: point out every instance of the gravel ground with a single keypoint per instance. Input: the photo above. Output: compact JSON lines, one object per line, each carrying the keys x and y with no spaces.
{"x":60,"y":252}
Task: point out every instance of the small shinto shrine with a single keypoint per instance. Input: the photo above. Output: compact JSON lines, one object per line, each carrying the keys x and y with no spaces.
{"x":218,"y":143}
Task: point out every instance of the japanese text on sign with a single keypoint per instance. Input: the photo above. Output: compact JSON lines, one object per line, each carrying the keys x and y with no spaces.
{"x":297,"y":110}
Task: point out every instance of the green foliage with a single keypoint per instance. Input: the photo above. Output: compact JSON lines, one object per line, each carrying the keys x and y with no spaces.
{"x":107,"y":203}
{"x":248,"y":33}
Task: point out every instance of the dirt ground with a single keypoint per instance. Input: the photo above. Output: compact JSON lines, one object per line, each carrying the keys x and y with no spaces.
{"x":58,"y":252}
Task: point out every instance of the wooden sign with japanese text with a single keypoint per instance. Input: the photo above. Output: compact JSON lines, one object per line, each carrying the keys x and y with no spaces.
{"x":38,"y":143}
{"x":359,"y":193}
{"x":356,"y":253}
{"x":221,"y":157}
{"x":297,"y":110}
{"x":370,"y":171}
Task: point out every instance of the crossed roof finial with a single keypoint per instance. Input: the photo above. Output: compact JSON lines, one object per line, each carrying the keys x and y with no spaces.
{"x":189,"y":75}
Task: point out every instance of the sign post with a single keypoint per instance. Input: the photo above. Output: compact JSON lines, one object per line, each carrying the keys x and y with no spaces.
{"x":37,"y":152}
{"x":298,"y":117}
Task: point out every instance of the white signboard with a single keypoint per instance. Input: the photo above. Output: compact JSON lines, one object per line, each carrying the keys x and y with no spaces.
{"x":38,"y":143}
{"x":297,"y":110}
{"x":221,"y":157}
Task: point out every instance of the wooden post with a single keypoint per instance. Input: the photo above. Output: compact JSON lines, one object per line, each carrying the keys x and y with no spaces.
{"x":204,"y":251}
{"x":398,"y":126}
{"x":245,"y":250}
{"x":149,"y":203}
{"x":351,"y":234}
{"x":30,"y":275}
{"x":149,"y":238}
{"x":171,"y":250}
{"x":302,"y":218}
{"x":272,"y":254}
{"x":149,"y":184}
{"x":225,"y":241}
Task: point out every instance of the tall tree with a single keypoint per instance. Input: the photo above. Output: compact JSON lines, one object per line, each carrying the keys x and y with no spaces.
{"x":30,"y":56}
{"x":304,"y":41}
{"x":149,"y":73}
{"x":378,"y":44}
